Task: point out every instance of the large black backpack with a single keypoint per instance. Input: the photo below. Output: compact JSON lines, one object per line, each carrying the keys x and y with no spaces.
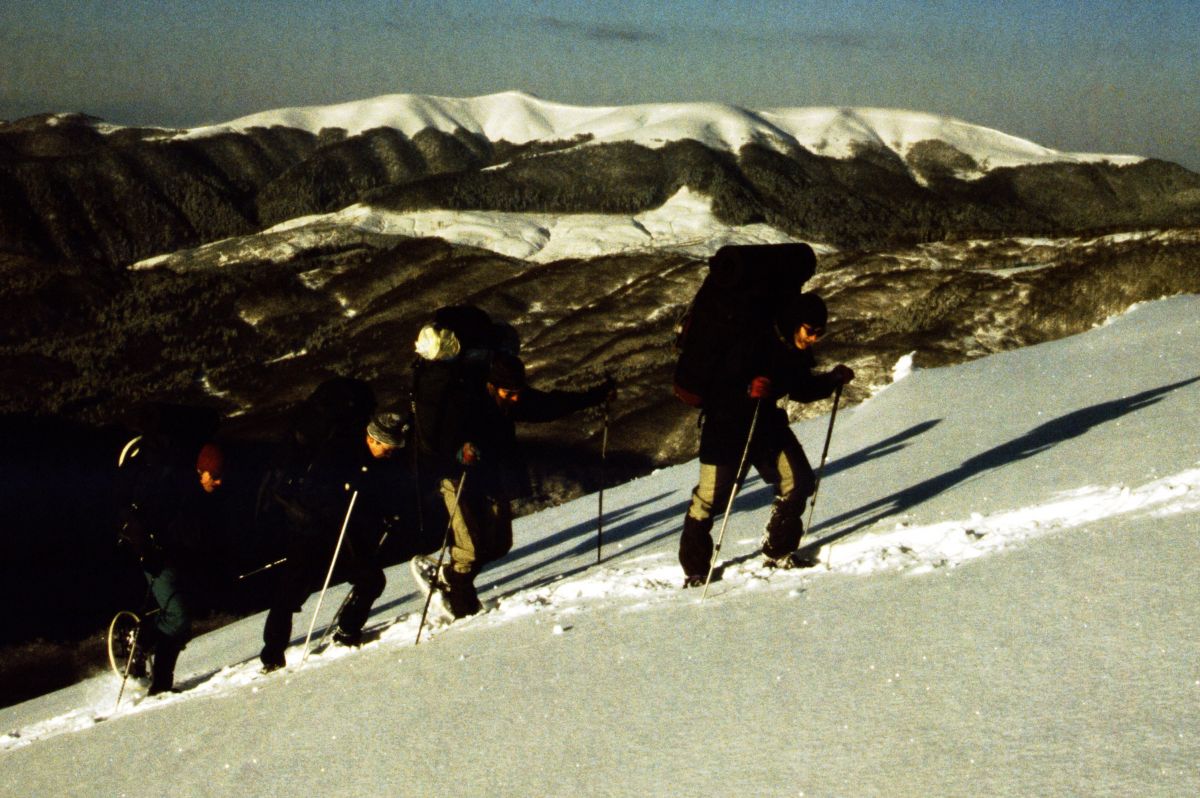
{"x":470,"y":324}
{"x":337,"y":409}
{"x":745,"y":289}
{"x":324,"y":431}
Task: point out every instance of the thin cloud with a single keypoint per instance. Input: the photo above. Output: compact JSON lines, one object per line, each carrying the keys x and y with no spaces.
{"x":599,"y":32}
{"x":846,"y":40}
{"x":830,"y":39}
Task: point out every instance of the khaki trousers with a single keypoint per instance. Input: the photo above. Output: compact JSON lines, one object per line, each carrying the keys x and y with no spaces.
{"x":481,"y":527}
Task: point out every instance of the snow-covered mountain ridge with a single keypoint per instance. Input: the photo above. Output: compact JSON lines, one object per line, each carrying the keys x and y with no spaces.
{"x":862,"y":178}
{"x":520,"y":118}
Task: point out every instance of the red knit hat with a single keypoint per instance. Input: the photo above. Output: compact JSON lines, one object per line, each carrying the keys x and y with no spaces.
{"x":211,"y":459}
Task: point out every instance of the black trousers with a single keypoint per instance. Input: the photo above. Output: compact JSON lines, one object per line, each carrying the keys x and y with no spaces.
{"x":308,"y":558}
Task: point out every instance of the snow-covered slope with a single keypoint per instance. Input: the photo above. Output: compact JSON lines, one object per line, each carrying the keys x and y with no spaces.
{"x":519,"y":118}
{"x":1005,"y":608}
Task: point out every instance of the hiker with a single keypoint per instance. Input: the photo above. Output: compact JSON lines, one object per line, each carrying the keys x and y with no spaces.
{"x":171,"y":523}
{"x":762,"y":357}
{"x":328,"y":459}
{"x":382,"y":509}
{"x":468,"y":395}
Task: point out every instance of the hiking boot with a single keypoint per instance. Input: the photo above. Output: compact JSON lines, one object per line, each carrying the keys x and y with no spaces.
{"x":272,"y":661}
{"x":694,"y":580}
{"x":348,"y":639}
{"x":459,"y":592}
{"x":797,"y":559}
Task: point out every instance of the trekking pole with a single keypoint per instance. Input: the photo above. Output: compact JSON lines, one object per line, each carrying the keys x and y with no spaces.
{"x":441,"y":556}
{"x":600,"y":506}
{"x":328,"y":576}
{"x":128,"y":665}
{"x":260,"y":569}
{"x":737,"y":484}
{"x":837,"y":398}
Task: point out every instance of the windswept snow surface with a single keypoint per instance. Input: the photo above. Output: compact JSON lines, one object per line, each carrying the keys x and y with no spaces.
{"x":1005,"y":607}
{"x":520,"y":118}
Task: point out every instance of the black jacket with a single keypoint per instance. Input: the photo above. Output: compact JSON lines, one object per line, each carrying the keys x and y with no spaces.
{"x":729,"y":409}
{"x":170,"y":522}
{"x":452,"y":407}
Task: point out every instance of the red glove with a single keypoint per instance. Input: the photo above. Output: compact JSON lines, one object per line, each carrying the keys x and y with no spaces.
{"x":760,"y":388}
{"x":842,"y":373}
{"x":468,"y":454}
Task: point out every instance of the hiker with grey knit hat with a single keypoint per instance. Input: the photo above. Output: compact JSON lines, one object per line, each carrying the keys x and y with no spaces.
{"x":741,"y":418}
{"x":383,"y":507}
{"x":363,"y":463}
{"x":387,"y":433}
{"x":466,"y":411}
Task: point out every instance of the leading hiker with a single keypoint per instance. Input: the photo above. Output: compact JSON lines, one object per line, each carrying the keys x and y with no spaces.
{"x":758,"y":350}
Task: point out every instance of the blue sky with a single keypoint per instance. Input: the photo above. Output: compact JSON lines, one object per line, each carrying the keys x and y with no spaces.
{"x":1109,"y":76}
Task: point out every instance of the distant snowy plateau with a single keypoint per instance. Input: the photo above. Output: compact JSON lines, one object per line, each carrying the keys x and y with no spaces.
{"x":520,"y":119}
{"x":684,"y":222}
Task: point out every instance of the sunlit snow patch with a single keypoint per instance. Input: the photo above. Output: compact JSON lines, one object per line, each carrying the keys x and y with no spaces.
{"x":919,"y":549}
{"x":685,"y":222}
{"x":903,"y":367}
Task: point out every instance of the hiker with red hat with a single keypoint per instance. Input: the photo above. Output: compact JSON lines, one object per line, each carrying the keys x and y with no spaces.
{"x":173,"y":523}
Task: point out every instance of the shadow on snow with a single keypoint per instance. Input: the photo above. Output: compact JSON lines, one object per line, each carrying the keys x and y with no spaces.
{"x":1037,"y":440}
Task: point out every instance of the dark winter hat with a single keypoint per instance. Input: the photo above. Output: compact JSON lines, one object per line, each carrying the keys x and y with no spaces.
{"x":805,"y":309}
{"x":507,"y":371}
{"x":390,"y":429}
{"x":211,"y":459}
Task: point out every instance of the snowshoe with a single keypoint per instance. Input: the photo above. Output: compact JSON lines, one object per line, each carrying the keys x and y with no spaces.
{"x":424,"y":571}
{"x":127,"y":655}
{"x":454,"y":594}
{"x":802,"y":558}
{"x":439,"y":610}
